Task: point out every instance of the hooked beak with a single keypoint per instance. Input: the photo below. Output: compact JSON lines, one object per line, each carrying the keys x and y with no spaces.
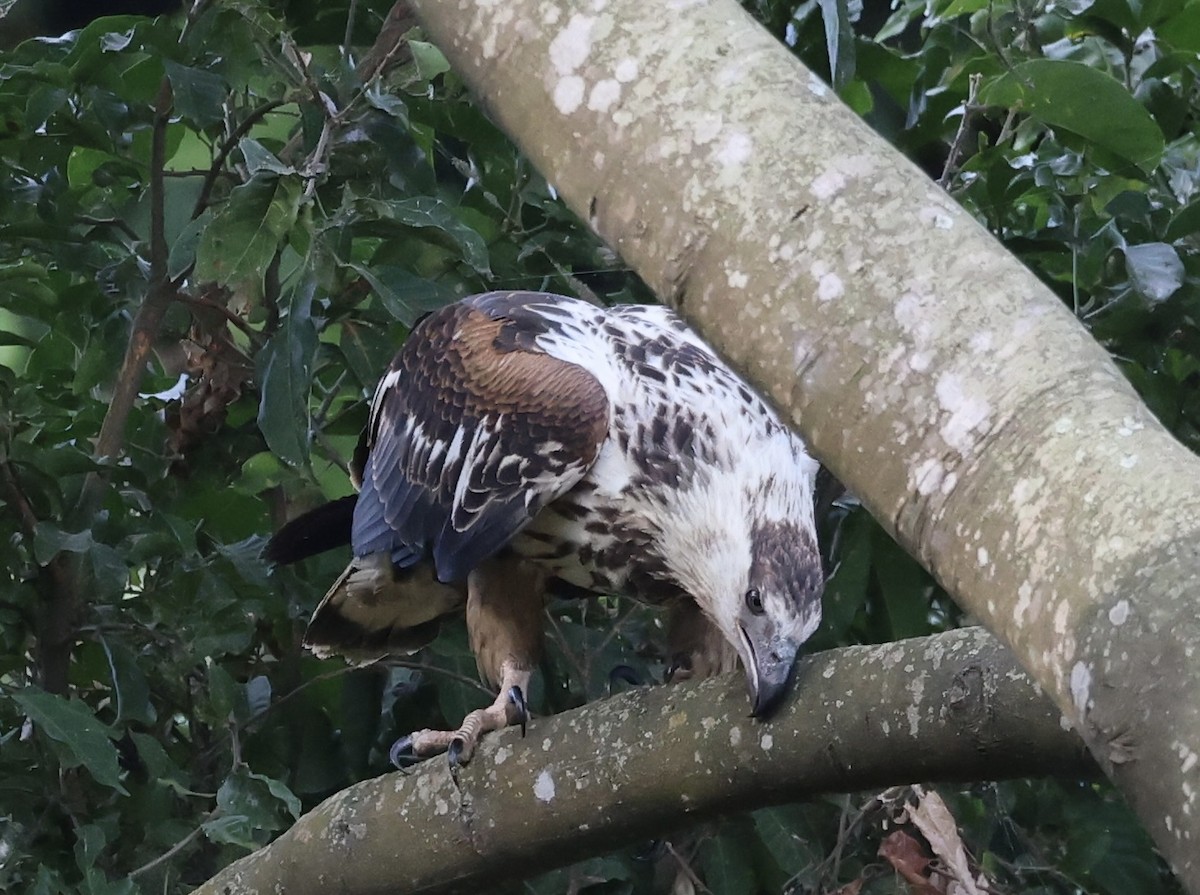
{"x":768,"y":671}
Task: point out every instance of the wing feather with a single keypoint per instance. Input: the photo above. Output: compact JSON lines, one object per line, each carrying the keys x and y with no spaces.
{"x":473,"y":430}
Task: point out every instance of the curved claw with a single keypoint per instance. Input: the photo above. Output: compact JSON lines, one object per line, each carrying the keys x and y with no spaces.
{"x":454,"y":754}
{"x":623,"y":674}
{"x":517,"y":698}
{"x":680,"y":663}
{"x":401,"y":755}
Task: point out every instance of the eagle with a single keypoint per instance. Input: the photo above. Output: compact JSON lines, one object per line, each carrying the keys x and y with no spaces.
{"x":521,"y":441}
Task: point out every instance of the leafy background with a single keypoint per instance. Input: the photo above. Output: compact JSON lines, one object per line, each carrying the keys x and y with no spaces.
{"x":270,"y":226}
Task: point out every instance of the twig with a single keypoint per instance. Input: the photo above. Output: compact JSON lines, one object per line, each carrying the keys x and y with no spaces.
{"x":327,"y":401}
{"x":964,"y":126}
{"x":227,"y":146}
{"x":686,"y":869}
{"x":329,"y":451}
{"x":174,"y":849}
{"x":120,"y":224}
{"x":208,"y":304}
{"x":444,"y":672}
{"x":1007,"y":130}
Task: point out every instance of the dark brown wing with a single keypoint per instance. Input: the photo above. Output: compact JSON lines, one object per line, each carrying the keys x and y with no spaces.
{"x":473,"y":430}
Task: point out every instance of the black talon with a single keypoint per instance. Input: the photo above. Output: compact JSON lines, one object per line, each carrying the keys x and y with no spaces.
{"x":401,"y":754}
{"x":679,"y":662}
{"x":454,"y":753}
{"x":517,"y":698}
{"x":623,"y":674}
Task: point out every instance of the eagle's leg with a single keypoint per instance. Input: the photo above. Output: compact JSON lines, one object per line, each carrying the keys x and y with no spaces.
{"x":696,"y":648}
{"x":504,"y":625}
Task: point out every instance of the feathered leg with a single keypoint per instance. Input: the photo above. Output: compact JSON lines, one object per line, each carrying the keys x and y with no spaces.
{"x":504,"y":624}
{"x":696,"y":648}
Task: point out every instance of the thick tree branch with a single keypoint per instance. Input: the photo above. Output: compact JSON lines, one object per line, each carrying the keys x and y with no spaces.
{"x":954,"y":707}
{"x":934,"y":374}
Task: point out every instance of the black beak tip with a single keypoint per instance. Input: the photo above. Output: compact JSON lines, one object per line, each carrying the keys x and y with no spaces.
{"x":768,"y":700}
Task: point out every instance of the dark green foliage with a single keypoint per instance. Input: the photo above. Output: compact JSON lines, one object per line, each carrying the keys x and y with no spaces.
{"x":304,"y":220}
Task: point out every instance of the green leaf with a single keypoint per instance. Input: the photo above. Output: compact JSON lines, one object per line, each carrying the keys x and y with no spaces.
{"x":429,"y":59}
{"x":83,"y":739}
{"x":1182,"y":30}
{"x":183,"y":249}
{"x":405,"y":295}
{"x":198,"y":94}
{"x":839,"y":41}
{"x":49,"y":540}
{"x":728,"y":865}
{"x":110,"y":574}
{"x":1155,"y":269}
{"x":285,"y":372}
{"x":252,"y":808}
{"x":129,"y":684}
{"x":905,"y":588}
{"x":427,"y":212}
{"x":366,"y":349}
{"x":782,"y":831}
{"x":1084,"y":101}
{"x":1185,"y":222}
{"x":846,"y":589}
{"x":239,"y":244}
{"x":963,"y":7}
{"x":259,"y":158}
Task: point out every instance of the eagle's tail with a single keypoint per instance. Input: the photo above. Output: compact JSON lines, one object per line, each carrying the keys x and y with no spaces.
{"x":376,"y":608}
{"x":316,"y":531}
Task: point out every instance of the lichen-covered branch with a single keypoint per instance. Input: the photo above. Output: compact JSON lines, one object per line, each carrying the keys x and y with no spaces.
{"x":953,"y":707}
{"x":938,"y":378}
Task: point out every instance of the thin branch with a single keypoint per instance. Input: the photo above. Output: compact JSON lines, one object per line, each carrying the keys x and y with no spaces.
{"x":227,"y":146}
{"x":964,"y":126}
{"x":208,"y":304}
{"x":327,"y":401}
{"x":174,"y":849}
{"x":119,"y":223}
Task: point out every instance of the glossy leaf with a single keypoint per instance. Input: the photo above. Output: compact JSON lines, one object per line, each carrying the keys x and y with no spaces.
{"x":83,"y":739}
{"x":1083,"y":101}
{"x":285,"y":374}
{"x":244,"y":236}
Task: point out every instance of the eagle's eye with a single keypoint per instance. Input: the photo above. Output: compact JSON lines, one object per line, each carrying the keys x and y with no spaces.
{"x":754,"y":601}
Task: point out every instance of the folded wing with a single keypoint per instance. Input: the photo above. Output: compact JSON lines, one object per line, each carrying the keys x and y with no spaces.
{"x":473,"y":430}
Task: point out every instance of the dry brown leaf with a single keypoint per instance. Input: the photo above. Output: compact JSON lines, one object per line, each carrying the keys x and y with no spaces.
{"x":905,"y":854}
{"x":933,"y":818}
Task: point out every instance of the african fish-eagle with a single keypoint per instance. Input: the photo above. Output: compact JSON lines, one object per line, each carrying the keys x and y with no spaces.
{"x":519,"y":438}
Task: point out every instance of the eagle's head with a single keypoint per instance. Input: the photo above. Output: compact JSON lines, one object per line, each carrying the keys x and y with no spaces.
{"x":773,"y":607}
{"x":748,"y":556}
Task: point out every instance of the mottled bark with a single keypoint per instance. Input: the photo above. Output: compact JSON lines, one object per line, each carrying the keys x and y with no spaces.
{"x":933,"y":373}
{"x":954,"y":707}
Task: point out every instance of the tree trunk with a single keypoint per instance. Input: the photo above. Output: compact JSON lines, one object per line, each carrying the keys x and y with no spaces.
{"x":954,"y":707}
{"x":936,"y":376}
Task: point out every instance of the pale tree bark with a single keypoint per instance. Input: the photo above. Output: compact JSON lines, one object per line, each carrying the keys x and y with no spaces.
{"x":934,"y":374}
{"x":953,"y":707}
